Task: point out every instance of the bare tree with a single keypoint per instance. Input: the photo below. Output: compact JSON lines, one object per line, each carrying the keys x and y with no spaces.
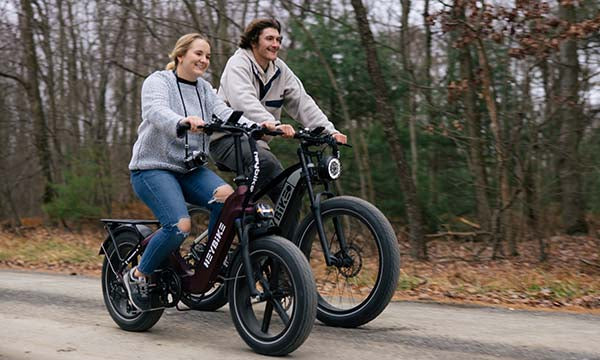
{"x":386,"y":115}
{"x":32,"y":86}
{"x":571,"y":129}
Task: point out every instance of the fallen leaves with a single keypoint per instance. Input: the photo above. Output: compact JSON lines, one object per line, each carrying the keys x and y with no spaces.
{"x":564,"y":282}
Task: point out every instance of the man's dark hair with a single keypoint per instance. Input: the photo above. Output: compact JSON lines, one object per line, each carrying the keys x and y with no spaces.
{"x":253,"y":30}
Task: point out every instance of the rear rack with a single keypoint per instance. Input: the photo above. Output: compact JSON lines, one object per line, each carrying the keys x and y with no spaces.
{"x":111,"y":222}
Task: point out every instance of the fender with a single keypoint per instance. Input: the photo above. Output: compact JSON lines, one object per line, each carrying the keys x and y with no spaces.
{"x":142,"y":230}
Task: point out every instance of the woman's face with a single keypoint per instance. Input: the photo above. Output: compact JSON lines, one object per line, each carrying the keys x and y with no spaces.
{"x":195,"y":61}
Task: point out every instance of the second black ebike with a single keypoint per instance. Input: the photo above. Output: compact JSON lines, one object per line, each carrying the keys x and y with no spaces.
{"x":350,"y":244}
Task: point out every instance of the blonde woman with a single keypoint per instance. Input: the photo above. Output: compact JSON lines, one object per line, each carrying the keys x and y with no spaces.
{"x":159,"y":175}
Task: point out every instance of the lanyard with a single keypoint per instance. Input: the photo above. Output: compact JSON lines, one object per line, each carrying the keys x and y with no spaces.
{"x":187,"y":146}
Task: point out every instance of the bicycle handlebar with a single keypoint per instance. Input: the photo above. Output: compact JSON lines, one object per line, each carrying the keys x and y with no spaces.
{"x":316,"y":137}
{"x":219,"y":126}
{"x":312,"y":137}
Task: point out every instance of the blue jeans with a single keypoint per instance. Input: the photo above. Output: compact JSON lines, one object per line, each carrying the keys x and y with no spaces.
{"x":165,"y":193}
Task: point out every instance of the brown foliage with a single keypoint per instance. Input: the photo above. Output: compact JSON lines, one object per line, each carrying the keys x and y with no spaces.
{"x":537,"y":31}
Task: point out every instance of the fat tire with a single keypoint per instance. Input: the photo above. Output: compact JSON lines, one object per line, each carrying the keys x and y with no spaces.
{"x":144,"y":320}
{"x":389,"y":252}
{"x":305,"y":296}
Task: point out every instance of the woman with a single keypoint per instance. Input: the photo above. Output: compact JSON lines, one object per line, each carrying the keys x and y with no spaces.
{"x":159,"y":175}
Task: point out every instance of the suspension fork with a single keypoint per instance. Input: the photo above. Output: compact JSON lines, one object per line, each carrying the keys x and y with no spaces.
{"x":245,"y":253}
{"x":315,"y":206}
{"x":339,"y":231}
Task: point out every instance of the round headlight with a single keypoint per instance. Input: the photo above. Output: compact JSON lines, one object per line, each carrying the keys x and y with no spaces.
{"x":263,"y":211}
{"x":331,"y":167}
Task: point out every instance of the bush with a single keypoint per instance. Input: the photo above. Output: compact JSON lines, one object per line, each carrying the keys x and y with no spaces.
{"x":76,"y":198}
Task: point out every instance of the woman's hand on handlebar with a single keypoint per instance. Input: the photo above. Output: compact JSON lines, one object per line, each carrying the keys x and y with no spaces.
{"x":287,"y":130}
{"x":196,"y":123}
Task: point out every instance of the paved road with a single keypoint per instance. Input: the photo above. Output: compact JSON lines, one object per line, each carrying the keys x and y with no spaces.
{"x":44,"y":316}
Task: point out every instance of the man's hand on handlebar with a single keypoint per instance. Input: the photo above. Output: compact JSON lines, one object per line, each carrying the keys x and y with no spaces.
{"x":340,"y":138}
{"x":196,"y":123}
{"x":287,"y":130}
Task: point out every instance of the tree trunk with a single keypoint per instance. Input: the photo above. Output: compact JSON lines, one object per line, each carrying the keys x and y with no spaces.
{"x":73,"y":104}
{"x":387,"y":116}
{"x":475,"y":142}
{"x":571,"y":129}
{"x":35,"y":100}
{"x":489,"y":95}
{"x":408,"y":97}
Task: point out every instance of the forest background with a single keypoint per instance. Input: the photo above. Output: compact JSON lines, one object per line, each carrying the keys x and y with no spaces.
{"x":474,"y":126}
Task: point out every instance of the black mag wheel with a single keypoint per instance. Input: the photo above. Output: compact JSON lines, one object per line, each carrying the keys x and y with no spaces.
{"x":216,"y":297}
{"x":360,"y":286}
{"x":115,"y":296}
{"x":281,"y":318}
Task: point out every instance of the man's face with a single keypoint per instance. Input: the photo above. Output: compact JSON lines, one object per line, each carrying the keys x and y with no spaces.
{"x":269,"y":43}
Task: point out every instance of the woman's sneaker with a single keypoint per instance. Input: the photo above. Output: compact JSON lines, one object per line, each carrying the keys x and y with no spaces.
{"x":137,"y":290}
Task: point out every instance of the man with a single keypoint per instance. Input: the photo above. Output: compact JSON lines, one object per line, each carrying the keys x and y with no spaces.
{"x":260,"y":84}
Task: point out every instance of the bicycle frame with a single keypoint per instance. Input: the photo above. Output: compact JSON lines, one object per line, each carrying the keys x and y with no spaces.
{"x":237,"y":218}
{"x":298,"y":181}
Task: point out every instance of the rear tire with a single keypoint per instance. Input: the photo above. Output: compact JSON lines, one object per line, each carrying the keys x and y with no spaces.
{"x":280,"y":323}
{"x":355,"y":293}
{"x":115,"y":296}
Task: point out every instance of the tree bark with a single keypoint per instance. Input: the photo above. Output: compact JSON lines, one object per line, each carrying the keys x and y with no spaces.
{"x":387,"y":117}
{"x":489,"y":95}
{"x":408,"y":97}
{"x":35,"y":100}
{"x":571,"y":129}
{"x":476,"y":158}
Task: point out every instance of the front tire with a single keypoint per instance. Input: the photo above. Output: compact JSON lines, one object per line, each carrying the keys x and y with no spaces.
{"x":355,"y":292}
{"x":113,"y":290}
{"x":280,"y":321}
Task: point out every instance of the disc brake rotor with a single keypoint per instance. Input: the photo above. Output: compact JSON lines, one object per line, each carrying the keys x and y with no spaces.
{"x":351,"y":261}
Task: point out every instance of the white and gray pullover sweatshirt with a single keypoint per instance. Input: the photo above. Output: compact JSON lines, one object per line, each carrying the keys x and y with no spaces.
{"x":157,"y":145}
{"x":262,"y":94}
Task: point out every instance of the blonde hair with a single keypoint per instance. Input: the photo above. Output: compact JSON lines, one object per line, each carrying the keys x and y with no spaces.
{"x":182,"y":45}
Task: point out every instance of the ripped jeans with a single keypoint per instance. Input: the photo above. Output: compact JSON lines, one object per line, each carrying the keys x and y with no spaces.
{"x":165,"y":193}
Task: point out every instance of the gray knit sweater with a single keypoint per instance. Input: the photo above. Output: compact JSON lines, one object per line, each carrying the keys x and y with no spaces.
{"x":157,"y":146}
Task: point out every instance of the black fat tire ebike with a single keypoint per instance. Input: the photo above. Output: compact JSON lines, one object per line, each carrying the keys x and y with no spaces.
{"x":267,"y":280}
{"x":350,"y":244}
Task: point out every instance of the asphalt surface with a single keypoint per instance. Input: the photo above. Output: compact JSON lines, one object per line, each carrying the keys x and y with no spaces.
{"x":45,"y":316}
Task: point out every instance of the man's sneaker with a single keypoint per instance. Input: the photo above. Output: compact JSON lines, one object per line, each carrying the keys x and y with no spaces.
{"x":137,"y":290}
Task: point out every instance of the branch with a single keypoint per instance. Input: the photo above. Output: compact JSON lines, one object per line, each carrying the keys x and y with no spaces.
{"x":117,"y":64}
{"x":15,"y":78}
{"x":587,"y":262}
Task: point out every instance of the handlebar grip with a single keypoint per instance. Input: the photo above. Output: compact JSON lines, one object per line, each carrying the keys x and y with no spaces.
{"x":182,"y":128}
{"x":274,"y":133}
